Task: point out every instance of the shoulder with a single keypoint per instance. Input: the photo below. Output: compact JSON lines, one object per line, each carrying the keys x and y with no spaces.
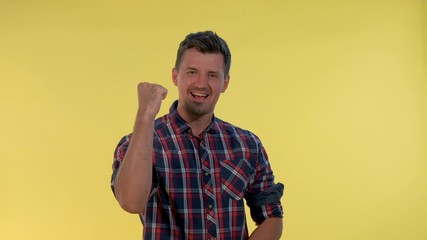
{"x":234,"y":131}
{"x":160,"y":123}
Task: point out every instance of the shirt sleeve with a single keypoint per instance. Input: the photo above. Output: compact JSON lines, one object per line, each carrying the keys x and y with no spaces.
{"x":263,"y":195}
{"x":119,"y":155}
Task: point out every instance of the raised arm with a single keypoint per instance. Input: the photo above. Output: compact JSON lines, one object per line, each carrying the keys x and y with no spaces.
{"x":133,"y":181}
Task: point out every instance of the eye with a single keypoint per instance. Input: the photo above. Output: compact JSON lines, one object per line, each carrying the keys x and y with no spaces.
{"x":213,"y":75}
{"x":191,"y":72}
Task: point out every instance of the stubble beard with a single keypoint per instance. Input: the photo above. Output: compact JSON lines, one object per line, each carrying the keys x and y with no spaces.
{"x":197,"y":110}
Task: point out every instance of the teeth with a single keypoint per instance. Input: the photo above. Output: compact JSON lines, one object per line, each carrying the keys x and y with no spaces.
{"x":199,"y":94}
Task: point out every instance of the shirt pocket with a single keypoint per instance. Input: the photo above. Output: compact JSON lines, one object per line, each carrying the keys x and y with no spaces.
{"x":235,"y":176}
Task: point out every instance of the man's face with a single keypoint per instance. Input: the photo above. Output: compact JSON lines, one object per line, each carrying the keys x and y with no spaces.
{"x":200,"y":80}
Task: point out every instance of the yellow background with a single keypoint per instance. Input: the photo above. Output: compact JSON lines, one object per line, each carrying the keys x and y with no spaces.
{"x":336,"y":90}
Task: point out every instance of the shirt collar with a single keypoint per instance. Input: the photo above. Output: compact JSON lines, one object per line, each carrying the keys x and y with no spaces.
{"x":181,"y":126}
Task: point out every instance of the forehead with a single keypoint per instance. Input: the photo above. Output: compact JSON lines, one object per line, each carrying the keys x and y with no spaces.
{"x":196,"y":59}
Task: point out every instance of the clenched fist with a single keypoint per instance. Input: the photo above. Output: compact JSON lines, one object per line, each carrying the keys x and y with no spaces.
{"x":150,"y":98}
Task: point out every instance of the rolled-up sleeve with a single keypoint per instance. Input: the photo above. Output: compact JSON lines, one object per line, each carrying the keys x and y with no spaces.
{"x":119,"y":155}
{"x":263,"y":195}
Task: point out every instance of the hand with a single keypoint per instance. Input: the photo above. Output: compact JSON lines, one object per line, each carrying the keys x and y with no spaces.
{"x":150,"y":98}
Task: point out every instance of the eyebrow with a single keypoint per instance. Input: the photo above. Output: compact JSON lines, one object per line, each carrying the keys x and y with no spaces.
{"x":190,"y":68}
{"x":213,"y":72}
{"x":186,"y":68}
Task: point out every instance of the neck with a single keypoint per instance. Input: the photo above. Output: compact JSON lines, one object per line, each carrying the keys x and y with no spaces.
{"x":197,"y":123}
{"x":198,"y":127}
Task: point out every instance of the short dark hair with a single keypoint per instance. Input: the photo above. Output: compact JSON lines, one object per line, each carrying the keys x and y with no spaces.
{"x":205,"y":42}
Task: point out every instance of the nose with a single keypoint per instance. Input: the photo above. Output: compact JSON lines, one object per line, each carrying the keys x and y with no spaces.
{"x":201,"y":80}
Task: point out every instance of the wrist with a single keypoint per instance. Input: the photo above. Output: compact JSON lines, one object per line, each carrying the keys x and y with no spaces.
{"x":145,"y":116}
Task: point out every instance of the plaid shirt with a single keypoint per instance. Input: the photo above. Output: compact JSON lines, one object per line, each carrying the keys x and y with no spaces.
{"x":199,"y":184}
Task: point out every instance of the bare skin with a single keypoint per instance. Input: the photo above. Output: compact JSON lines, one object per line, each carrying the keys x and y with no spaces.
{"x":270,"y":229}
{"x":200,"y":80}
{"x":134,"y":179}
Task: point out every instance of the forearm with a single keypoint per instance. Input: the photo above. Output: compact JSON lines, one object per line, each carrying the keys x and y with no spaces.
{"x":134,"y":179}
{"x":270,"y":229}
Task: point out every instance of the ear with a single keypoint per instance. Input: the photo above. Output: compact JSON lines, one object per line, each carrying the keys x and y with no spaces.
{"x":226,"y":81}
{"x":174,"y":76}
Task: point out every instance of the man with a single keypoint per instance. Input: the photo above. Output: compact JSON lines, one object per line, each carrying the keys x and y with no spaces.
{"x":188,"y":172}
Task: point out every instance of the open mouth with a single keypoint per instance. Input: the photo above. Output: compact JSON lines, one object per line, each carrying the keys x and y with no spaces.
{"x":199,"y":95}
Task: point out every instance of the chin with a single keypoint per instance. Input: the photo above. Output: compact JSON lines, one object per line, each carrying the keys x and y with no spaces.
{"x":198,"y":110}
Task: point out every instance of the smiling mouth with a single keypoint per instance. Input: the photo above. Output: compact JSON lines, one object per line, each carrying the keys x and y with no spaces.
{"x":201,"y":95}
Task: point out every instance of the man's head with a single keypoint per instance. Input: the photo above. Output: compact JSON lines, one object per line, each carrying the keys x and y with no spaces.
{"x":205,"y":42}
{"x":201,"y":74}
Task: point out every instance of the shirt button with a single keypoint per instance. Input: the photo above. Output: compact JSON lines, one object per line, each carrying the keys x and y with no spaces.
{"x":210,"y":206}
{"x":206,"y":174}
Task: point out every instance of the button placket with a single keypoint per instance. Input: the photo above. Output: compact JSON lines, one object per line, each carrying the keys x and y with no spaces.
{"x":208,"y":189}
